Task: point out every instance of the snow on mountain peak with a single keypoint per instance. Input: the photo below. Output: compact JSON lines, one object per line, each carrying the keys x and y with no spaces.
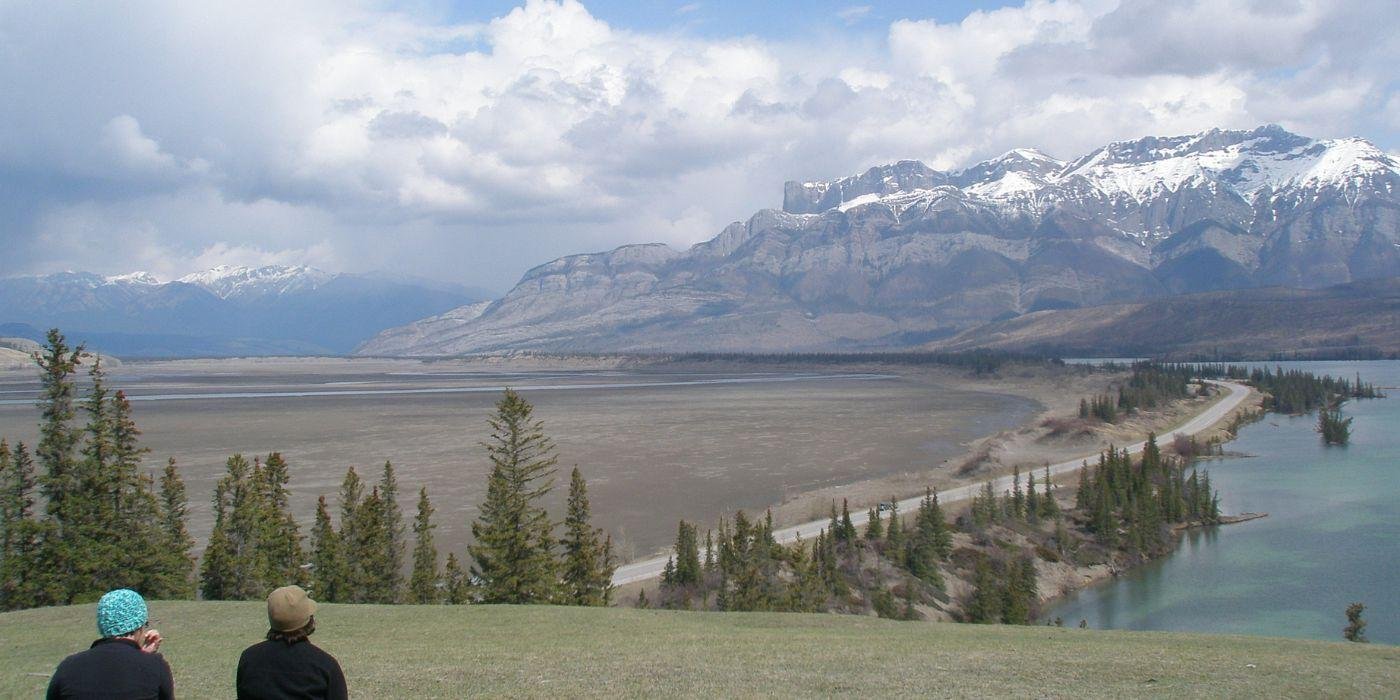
{"x":139,"y":277}
{"x":227,"y":281}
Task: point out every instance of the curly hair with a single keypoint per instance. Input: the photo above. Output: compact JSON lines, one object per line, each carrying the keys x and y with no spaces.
{"x":297,"y":635}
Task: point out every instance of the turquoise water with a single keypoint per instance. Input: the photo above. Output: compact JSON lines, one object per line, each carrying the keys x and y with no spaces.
{"x":1332,"y":536}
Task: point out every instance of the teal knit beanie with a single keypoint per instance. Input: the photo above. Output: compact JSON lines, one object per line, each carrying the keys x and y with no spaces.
{"x":120,"y":612}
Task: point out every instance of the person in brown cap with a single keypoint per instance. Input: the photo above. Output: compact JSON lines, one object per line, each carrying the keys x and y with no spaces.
{"x":287,"y":664}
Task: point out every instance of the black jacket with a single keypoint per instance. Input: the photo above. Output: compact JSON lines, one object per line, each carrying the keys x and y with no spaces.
{"x":273,"y":670}
{"x":112,"y":668}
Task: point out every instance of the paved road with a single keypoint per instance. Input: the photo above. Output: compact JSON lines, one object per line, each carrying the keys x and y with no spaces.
{"x":651,"y":568}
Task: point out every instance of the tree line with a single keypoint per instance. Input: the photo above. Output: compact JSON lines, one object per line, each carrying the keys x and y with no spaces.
{"x":79,"y":516}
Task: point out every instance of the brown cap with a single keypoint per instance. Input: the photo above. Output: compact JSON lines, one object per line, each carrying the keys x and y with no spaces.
{"x":289,"y":608}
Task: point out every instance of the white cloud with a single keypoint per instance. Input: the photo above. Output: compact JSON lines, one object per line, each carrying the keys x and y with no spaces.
{"x":492,"y":147}
{"x":854,"y":13}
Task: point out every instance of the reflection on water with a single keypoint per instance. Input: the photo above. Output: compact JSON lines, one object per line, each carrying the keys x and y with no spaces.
{"x":1332,"y":536}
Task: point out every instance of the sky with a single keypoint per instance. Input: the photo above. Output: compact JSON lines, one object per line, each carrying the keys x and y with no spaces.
{"x":469,"y":141}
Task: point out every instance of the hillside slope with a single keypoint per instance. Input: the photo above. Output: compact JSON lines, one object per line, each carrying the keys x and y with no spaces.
{"x":437,"y":651}
{"x":1361,"y":319}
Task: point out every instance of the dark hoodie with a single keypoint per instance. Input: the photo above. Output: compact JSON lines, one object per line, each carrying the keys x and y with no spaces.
{"x":275,"y":669}
{"x":113,"y":667}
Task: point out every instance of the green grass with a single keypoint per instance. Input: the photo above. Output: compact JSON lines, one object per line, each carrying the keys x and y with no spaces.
{"x":428,"y":651}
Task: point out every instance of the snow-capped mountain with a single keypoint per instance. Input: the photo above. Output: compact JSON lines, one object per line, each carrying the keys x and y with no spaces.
{"x":238,"y":281}
{"x":224,"y":311}
{"x":903,"y":253}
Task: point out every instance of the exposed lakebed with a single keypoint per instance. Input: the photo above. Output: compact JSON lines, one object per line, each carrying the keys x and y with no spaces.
{"x":655,"y":445}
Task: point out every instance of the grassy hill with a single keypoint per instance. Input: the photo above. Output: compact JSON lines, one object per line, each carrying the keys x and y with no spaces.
{"x":433,"y":651}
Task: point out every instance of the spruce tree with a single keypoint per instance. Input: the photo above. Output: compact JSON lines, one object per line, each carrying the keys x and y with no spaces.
{"x":985,"y":605}
{"x":423,"y":584}
{"x":393,"y":536}
{"x":587,"y":566}
{"x":61,"y":483}
{"x":177,"y":546}
{"x":873,"y":527}
{"x":848,"y":529}
{"x":278,"y":538}
{"x":456,"y":588}
{"x":328,"y":567}
{"x":1355,"y":631}
{"x":512,"y":552}
{"x":351,"y":540}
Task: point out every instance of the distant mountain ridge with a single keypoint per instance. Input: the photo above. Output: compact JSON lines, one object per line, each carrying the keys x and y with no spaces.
{"x":904,"y":254}
{"x":229,"y":310}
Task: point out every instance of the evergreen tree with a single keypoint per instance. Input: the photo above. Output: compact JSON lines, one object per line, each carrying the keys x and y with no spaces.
{"x":894,"y":536}
{"x":848,"y":529}
{"x":873,"y":530}
{"x":352,"y":583}
{"x":277,"y":542}
{"x":985,"y":605}
{"x":392,"y":538}
{"x":513,"y":545}
{"x":61,"y":483}
{"x":457,"y":587}
{"x":20,"y":532}
{"x":423,"y":585}
{"x":1049,"y":508}
{"x":231,"y":570}
{"x":176,"y":572}
{"x":1355,"y":631}
{"x":328,"y":567}
{"x":587,"y":566}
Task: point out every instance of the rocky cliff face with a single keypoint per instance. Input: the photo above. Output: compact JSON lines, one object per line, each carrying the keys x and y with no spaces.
{"x":903,"y":254}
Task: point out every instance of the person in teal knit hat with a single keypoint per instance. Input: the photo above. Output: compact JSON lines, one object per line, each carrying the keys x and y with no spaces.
{"x":124,"y":662}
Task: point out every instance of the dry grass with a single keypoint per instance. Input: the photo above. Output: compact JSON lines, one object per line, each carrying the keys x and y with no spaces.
{"x":412,"y":651}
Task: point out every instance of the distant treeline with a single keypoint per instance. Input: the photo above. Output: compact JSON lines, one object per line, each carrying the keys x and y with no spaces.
{"x":981,"y":361}
{"x":1150,"y":385}
{"x":1290,"y":391}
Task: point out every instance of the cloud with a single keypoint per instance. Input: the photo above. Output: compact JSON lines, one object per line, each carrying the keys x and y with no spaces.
{"x":854,"y":13}
{"x":370,"y":138}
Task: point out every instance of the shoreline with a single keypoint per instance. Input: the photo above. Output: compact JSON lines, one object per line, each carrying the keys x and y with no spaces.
{"x":1204,"y":423}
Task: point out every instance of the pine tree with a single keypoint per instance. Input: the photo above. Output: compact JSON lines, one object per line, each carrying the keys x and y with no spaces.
{"x":587,"y":566}
{"x":513,"y":545}
{"x":392,"y":538}
{"x":19,"y":530}
{"x":352,"y":584}
{"x":1049,"y":508}
{"x":873,"y":529}
{"x":848,"y":529}
{"x":423,"y":585}
{"x":371,"y":551}
{"x":457,"y":590}
{"x":61,"y":483}
{"x":985,"y":605}
{"x":328,"y":567}
{"x":1355,"y":631}
{"x":894,"y":537}
{"x":177,"y":559}
{"x":231,"y":569}
{"x":277,"y":542}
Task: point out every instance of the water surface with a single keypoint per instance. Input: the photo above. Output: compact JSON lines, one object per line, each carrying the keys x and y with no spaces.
{"x":1332,"y":536}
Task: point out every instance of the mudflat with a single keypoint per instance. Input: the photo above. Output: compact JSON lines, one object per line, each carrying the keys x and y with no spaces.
{"x":656,"y":443}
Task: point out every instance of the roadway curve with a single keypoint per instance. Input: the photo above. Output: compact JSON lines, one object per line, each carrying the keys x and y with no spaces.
{"x":651,"y":568}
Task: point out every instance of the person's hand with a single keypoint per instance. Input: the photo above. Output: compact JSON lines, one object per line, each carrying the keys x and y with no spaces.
{"x":151,"y":644}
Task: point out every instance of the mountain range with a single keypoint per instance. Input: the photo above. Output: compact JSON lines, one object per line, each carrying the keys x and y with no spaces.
{"x":228,"y":310}
{"x":904,"y":254}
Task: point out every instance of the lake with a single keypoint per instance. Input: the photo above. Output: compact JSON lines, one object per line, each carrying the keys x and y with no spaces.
{"x":1332,"y":536}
